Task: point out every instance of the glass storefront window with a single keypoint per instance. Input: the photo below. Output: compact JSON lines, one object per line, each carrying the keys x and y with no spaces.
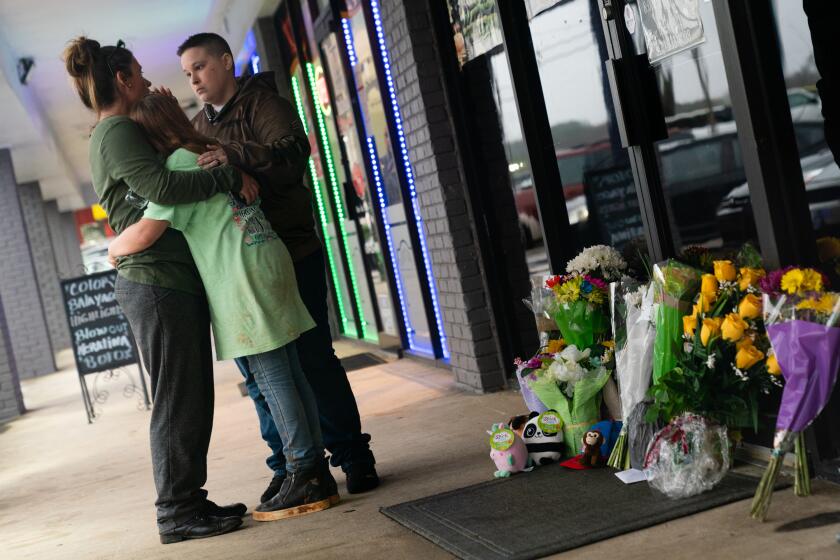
{"x":597,"y":180}
{"x":477,"y":40}
{"x":521,"y":180}
{"x":819,"y":166}
{"x":410,"y":294}
{"x":324,"y":214}
{"x":700,"y":164}
{"x":366,"y":246}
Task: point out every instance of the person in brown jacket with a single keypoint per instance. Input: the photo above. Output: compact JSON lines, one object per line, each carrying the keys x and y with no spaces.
{"x":260,"y":132}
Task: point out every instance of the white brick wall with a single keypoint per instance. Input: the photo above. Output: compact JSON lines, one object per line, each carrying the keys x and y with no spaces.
{"x":21,"y":299}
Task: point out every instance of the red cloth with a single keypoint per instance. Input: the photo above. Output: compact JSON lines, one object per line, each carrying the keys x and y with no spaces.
{"x":574,"y":463}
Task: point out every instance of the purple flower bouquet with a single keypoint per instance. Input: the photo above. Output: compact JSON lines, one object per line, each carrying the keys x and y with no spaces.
{"x":804,"y":332}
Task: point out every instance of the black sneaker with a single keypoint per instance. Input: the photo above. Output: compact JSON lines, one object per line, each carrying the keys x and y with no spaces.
{"x":303,"y":492}
{"x":361,"y":477}
{"x":233,"y":510}
{"x":201,"y":526}
{"x":273,"y":487}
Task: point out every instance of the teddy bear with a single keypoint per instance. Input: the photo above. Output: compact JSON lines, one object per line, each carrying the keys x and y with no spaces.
{"x":592,"y":442}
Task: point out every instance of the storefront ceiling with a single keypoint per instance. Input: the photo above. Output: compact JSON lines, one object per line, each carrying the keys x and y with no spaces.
{"x":43,"y":122}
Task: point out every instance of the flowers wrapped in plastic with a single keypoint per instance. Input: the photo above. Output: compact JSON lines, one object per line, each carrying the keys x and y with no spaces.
{"x":689,"y":456}
{"x":675,"y":284}
{"x":721,"y":369}
{"x":631,"y":305}
{"x":803,"y":324}
{"x":571,"y":384}
{"x":579,"y":306}
{"x":539,"y":303}
{"x":525,"y":374}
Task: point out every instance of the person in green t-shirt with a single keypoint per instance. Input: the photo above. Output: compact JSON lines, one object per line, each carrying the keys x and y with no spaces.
{"x":255,"y":307}
{"x":159,"y":289}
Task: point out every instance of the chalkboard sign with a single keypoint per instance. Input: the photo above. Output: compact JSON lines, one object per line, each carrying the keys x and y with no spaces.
{"x":613,"y":205}
{"x":99,"y":331}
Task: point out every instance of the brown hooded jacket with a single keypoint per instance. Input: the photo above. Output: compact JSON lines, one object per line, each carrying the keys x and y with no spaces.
{"x":262,"y":134}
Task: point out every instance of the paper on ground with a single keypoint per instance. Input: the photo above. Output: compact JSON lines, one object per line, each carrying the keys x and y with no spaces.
{"x":631,"y":476}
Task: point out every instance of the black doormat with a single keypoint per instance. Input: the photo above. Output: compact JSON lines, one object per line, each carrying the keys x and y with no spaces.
{"x":360,"y":361}
{"x":550,"y":510}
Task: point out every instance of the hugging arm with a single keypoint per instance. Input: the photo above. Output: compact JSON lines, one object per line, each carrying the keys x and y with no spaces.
{"x":133,"y":160}
{"x":278,"y":143}
{"x":136,"y":238}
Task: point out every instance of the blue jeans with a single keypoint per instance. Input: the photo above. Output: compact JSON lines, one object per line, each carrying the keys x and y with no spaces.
{"x":339,"y":415}
{"x":290,"y":400}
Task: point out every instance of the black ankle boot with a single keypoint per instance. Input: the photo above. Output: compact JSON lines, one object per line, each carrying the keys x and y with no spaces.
{"x":233,"y":510}
{"x":361,"y":477}
{"x":273,"y":487}
{"x":302,"y":492}
{"x":200,"y":526}
{"x":330,"y":485}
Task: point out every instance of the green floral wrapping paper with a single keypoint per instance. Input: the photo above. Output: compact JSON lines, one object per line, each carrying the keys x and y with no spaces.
{"x":581,"y":323}
{"x":676,"y":285}
{"x":578,"y":412}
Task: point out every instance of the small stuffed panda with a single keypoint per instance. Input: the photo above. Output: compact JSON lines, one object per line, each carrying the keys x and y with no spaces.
{"x":544,"y":447}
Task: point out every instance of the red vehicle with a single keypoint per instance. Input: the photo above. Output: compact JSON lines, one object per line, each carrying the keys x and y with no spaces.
{"x":573,"y":164}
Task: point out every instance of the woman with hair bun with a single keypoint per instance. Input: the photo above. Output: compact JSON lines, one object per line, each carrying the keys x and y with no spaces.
{"x":159,"y":289}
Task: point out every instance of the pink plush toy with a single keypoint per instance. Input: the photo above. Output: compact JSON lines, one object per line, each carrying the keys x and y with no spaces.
{"x":508,"y":451}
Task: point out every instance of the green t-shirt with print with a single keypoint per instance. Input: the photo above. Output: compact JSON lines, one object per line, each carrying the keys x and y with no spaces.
{"x":246,"y":269}
{"x":126,"y":173}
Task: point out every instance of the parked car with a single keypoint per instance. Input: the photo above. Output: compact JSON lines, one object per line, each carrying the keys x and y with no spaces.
{"x":699,"y":169}
{"x":822,"y":188}
{"x":573,"y":164}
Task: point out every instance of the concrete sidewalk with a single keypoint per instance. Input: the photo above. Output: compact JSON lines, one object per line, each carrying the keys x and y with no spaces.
{"x":73,"y":490}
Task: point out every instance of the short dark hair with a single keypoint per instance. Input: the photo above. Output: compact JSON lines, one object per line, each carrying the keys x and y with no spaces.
{"x":215,"y":44}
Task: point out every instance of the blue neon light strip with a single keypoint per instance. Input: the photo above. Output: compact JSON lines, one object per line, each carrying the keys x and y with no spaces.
{"x":382,"y":198}
{"x":409,"y":175}
{"x":348,"y":40}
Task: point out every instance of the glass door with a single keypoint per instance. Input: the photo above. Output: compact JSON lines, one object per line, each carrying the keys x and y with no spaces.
{"x":334,"y":197}
{"x":598,"y":184}
{"x":321,"y":176}
{"x":385,"y":171}
{"x":365,"y":242}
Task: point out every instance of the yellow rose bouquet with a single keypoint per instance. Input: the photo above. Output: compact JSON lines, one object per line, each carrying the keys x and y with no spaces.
{"x":726,"y":361}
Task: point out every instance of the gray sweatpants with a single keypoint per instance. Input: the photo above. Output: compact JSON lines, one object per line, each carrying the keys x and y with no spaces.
{"x":172,"y":330}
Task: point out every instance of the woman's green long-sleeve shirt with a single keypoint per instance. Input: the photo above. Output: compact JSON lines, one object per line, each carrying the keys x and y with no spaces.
{"x":122,"y":162}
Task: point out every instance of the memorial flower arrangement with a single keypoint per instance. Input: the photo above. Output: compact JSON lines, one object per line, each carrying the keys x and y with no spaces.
{"x":526,"y":372}
{"x":581,"y":295}
{"x":570,"y":381}
{"x":599,"y":261}
{"x":803,"y":325}
{"x":631,"y":306}
{"x":726,"y":360}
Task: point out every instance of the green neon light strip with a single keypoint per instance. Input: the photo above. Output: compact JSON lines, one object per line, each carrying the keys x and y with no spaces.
{"x":339,"y":203}
{"x":346,"y":325}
